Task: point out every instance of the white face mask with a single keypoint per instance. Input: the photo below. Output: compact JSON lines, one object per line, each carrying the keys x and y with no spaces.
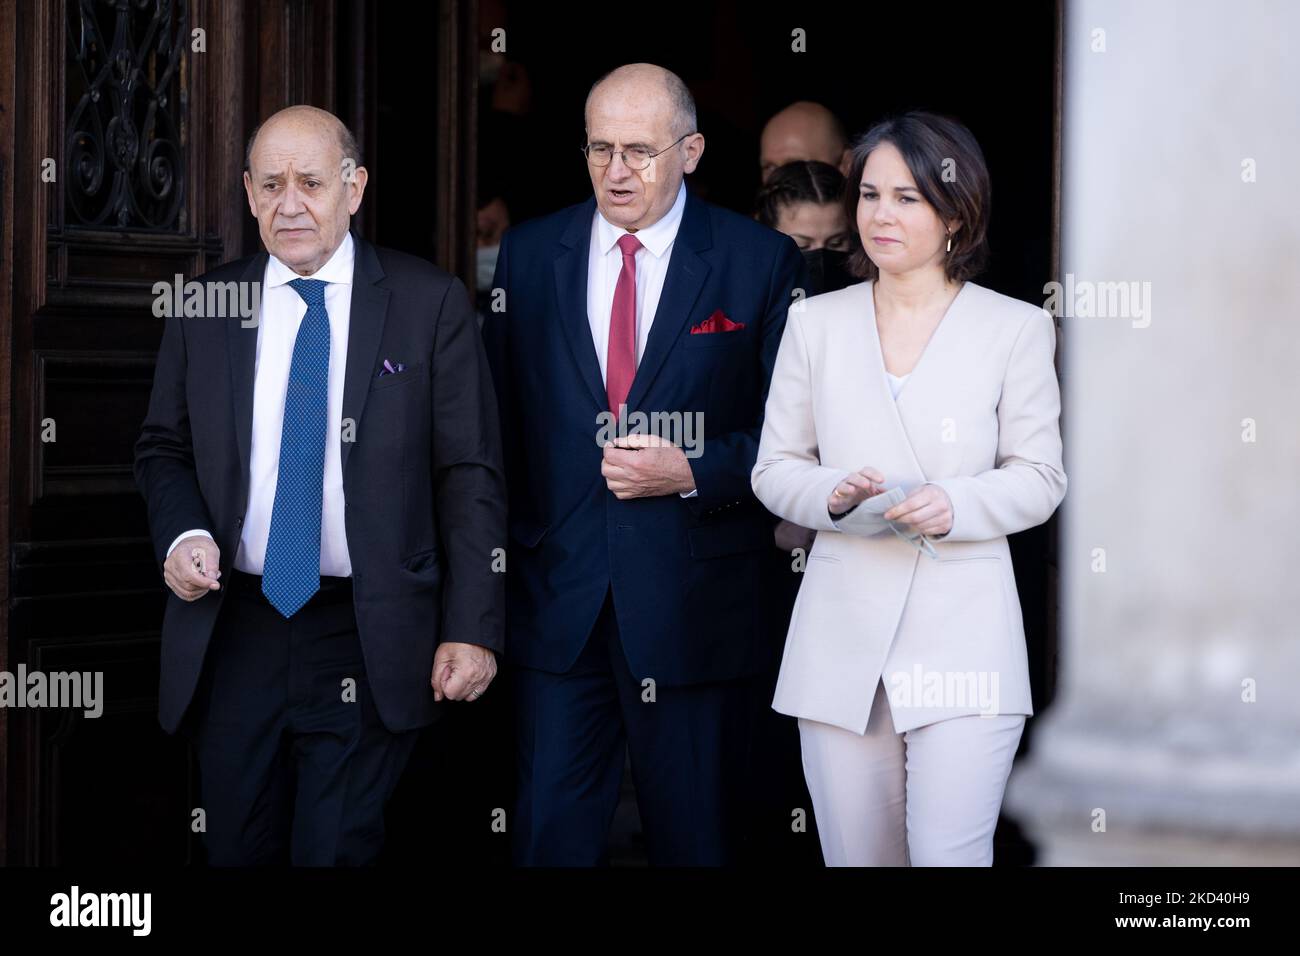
{"x":485,"y":260}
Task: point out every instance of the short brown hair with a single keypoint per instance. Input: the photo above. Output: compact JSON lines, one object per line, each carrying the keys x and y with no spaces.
{"x":803,"y":180}
{"x":929,"y":143}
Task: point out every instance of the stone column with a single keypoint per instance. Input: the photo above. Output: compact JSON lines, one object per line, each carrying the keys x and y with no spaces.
{"x":1175,"y":735}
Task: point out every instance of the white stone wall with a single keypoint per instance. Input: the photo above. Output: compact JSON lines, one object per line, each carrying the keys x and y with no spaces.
{"x":1171,"y":108}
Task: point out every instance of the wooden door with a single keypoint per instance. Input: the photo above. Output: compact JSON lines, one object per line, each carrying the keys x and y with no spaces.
{"x":122,"y":133}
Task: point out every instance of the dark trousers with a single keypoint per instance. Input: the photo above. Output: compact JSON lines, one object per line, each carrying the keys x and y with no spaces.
{"x":294,"y":763}
{"x":775,"y":787}
{"x":686,"y":748}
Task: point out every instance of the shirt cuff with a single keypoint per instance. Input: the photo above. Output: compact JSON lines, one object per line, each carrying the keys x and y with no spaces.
{"x":185,"y":534}
{"x":694,"y":492}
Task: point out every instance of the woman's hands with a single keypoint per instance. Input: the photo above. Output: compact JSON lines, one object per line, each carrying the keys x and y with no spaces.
{"x":928,"y":509}
{"x":855,"y":489}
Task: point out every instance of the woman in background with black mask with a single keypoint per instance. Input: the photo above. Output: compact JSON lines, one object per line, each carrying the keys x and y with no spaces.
{"x":802,"y":200}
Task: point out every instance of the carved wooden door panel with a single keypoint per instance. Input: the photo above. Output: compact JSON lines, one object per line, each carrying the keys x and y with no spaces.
{"x":124,"y":123}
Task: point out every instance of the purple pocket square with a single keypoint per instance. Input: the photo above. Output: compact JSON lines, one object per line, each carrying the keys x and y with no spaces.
{"x":391,"y":369}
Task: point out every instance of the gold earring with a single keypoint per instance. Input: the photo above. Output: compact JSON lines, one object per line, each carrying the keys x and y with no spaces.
{"x":950,"y":240}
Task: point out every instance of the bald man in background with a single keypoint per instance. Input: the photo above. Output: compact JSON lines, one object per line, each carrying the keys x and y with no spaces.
{"x":325,"y":494}
{"x":803,"y":131}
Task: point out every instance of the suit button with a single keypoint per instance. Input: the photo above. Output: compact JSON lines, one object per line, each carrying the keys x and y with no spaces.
{"x":239,"y":522}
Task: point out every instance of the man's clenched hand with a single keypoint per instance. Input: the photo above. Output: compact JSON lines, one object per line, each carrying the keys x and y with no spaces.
{"x":462,"y":671}
{"x":192,"y":569}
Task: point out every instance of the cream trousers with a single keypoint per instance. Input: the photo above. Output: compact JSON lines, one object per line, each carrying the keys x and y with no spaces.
{"x":926,"y":797}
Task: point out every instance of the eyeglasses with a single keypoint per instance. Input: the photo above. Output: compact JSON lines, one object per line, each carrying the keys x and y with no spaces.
{"x":635,"y":157}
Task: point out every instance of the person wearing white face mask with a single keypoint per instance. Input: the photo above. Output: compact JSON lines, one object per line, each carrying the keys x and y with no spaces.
{"x":905,"y":661}
{"x":492,"y":220}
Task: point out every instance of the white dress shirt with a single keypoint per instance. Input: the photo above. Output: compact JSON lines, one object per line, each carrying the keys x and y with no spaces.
{"x":605,"y":263}
{"x":282,"y":312}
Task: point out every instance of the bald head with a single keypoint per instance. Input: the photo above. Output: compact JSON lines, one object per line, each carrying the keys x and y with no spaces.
{"x":649,"y":111}
{"x":802,"y":131}
{"x":304,"y":182}
{"x":641,"y":80}
{"x":309,"y":115}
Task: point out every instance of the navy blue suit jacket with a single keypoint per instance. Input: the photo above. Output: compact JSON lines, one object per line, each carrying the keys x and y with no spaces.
{"x":685,"y":572}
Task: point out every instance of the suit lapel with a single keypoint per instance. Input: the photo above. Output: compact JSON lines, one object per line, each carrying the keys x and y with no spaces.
{"x":365,"y":330}
{"x":687,"y":271}
{"x":898,"y":439}
{"x":571,"y":298}
{"x":919,"y":380}
{"x":241,"y":342}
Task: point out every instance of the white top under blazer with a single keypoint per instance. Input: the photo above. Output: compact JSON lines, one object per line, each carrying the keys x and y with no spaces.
{"x":979,"y":418}
{"x":896,"y":382}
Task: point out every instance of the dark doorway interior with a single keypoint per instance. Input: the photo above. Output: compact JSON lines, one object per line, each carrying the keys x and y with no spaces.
{"x":992,"y":68}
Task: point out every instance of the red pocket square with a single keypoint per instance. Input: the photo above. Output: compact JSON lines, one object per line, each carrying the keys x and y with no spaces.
{"x":717,"y":322}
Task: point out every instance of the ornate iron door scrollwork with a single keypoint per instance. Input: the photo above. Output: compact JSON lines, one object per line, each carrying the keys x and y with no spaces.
{"x":126,"y":106}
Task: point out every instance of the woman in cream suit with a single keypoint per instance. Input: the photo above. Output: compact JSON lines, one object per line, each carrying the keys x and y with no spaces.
{"x":912,"y":422}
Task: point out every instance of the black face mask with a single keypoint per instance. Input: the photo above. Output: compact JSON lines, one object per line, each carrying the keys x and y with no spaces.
{"x":827,"y":270}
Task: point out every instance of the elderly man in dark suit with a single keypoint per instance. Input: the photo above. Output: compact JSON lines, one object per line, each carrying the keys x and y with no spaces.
{"x":636,"y":559}
{"x":325,"y":495}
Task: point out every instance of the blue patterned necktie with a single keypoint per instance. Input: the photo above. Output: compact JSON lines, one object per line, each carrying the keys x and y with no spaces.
{"x":291,"y":571}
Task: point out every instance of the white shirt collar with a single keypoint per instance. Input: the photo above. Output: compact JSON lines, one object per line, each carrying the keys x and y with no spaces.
{"x":656,"y":238}
{"x":337,"y":269}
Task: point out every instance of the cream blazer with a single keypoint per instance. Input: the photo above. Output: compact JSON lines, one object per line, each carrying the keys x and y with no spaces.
{"x":979,"y":417}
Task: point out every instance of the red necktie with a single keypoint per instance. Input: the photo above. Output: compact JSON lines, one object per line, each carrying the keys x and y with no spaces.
{"x":620,"y":360}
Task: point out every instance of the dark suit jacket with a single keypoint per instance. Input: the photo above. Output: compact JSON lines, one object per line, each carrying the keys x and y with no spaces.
{"x":685,"y":573}
{"x":422,"y":481}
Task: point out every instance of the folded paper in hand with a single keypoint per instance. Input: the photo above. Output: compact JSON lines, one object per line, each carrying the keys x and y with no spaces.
{"x":868,"y":519}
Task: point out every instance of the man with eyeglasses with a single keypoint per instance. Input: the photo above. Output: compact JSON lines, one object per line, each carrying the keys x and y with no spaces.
{"x":635,"y":560}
